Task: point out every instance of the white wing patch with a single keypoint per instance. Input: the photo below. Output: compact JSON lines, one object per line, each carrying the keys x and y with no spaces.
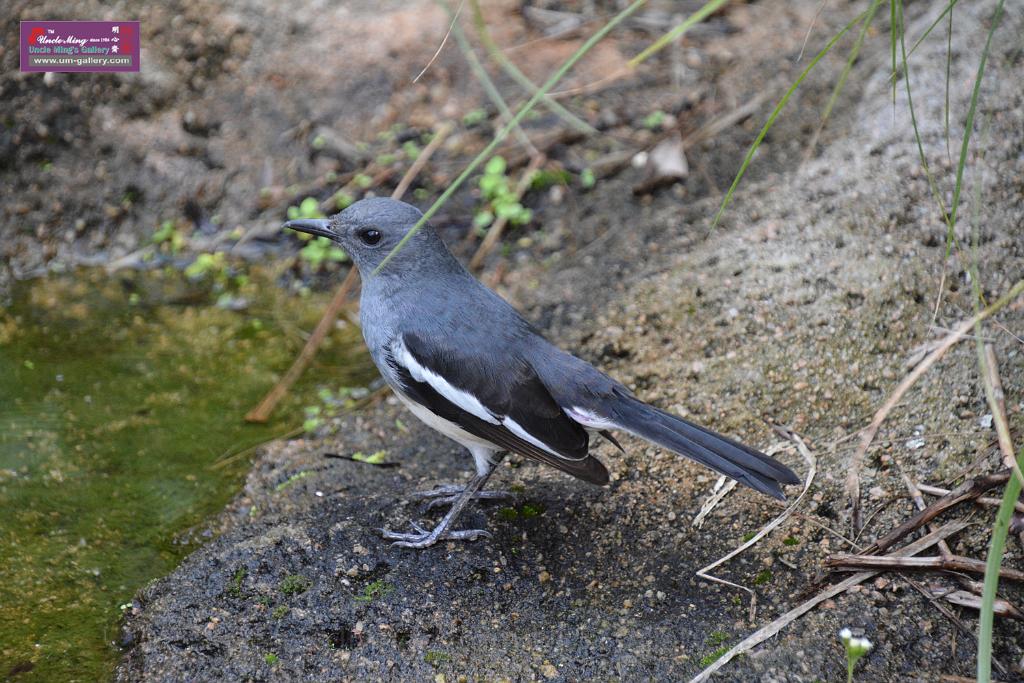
{"x":463,"y":399}
{"x":589,"y":419}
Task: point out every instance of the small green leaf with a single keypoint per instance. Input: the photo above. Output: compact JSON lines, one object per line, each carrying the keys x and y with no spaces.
{"x":483,"y":218}
{"x":496,"y":165}
{"x":587,"y":179}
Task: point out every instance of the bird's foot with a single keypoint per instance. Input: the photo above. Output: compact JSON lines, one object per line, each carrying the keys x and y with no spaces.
{"x":423,"y":538}
{"x":447,"y":494}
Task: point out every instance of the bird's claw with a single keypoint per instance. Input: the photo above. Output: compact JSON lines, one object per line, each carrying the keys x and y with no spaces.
{"x":422,"y":538}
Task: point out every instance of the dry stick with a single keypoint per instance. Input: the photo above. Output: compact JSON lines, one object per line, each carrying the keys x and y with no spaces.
{"x":915,"y":495}
{"x":781,"y":622}
{"x":261,"y":413}
{"x":969,"y":490}
{"x":440,"y":47}
{"x":812,"y":468}
{"x":997,"y":404}
{"x":439,"y":135}
{"x":494,"y":232}
{"x":867,"y":435}
{"x":953,"y":563}
{"x":985,"y":501}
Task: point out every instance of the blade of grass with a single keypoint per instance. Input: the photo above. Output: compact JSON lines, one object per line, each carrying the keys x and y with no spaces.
{"x":949,"y":66}
{"x":968,"y":127}
{"x":931,"y":27}
{"x":485,"y":80}
{"x":841,"y":83}
{"x":707,"y":10}
{"x":518,"y":76}
{"x":892,"y":48}
{"x":993,"y":563}
{"x":778,"y":109}
{"x":486,"y":152}
{"x":932,"y":184}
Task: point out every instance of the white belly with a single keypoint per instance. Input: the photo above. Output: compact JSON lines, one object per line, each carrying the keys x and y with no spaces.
{"x":449,"y":429}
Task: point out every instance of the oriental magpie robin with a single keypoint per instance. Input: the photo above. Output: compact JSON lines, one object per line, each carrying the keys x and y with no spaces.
{"x":468,"y":365}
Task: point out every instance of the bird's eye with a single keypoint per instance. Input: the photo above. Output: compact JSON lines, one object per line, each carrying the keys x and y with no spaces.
{"x":369,"y":236}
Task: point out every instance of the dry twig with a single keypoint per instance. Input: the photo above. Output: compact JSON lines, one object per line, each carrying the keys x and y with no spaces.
{"x":812,"y":468}
{"x":969,"y":490}
{"x":953,"y":563}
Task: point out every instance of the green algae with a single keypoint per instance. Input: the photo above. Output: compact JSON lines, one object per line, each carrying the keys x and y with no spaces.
{"x":121,"y":404}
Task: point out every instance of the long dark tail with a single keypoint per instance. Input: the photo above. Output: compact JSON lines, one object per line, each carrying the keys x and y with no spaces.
{"x":731,"y":458}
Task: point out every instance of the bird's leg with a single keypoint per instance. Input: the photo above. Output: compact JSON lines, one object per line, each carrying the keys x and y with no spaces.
{"x":422,"y":538}
{"x":447,"y":494}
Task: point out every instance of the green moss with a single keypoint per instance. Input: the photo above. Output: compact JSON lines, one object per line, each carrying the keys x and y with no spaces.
{"x":271,"y":659}
{"x":436,"y":657}
{"x":374,"y":590}
{"x":524,"y":511}
{"x":508,"y":514}
{"x":527,"y":510}
{"x":712,"y":657}
{"x":717,"y":637}
{"x":292,"y":479}
{"x":763,"y":577}
{"x":295,"y":584}
{"x":790,"y":540}
{"x":235,"y":585}
{"x":280,"y":611}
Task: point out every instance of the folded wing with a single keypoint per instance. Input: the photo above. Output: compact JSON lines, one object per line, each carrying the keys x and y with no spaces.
{"x":497,"y":398}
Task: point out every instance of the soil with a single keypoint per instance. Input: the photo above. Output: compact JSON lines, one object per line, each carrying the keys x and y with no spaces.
{"x":800,"y":309}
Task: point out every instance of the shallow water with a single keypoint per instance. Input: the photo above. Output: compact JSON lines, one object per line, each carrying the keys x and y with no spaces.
{"x":121,"y":405}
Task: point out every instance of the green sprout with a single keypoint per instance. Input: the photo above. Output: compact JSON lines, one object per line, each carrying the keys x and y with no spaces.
{"x":474,"y":117}
{"x":411,"y":150}
{"x":587,"y":179}
{"x":499,"y":200}
{"x":655,"y":120}
{"x":342,"y":200}
{"x":168,"y":237}
{"x":855,"y":649}
{"x":271,"y":659}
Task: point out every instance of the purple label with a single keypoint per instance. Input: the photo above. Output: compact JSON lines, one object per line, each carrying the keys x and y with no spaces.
{"x":80,"y":46}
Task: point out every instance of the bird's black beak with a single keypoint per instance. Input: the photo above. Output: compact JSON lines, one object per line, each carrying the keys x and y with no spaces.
{"x":321,"y":227}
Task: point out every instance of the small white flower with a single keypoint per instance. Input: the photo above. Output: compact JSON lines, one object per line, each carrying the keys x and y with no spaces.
{"x":845,"y":634}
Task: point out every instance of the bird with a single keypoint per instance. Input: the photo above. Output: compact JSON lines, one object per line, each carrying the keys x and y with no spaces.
{"x":468,"y":365}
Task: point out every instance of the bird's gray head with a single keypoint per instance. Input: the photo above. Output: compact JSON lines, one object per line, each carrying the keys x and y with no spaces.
{"x":370,"y":229}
